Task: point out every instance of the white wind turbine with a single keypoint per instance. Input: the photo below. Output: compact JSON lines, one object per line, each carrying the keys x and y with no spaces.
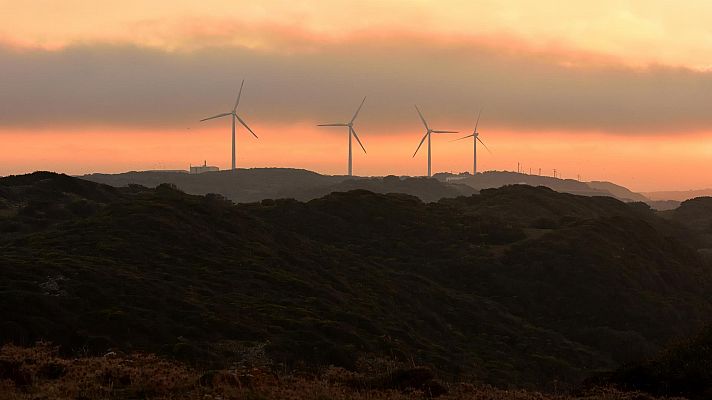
{"x":234,"y":116}
{"x":428,"y":131}
{"x":475,"y":135}
{"x":352,"y":132}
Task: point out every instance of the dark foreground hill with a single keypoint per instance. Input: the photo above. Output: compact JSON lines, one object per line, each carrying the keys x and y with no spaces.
{"x":517,"y":286}
{"x":696,"y":215}
{"x":683,"y":369}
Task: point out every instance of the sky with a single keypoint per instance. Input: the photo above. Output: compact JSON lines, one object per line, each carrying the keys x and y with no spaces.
{"x":598,"y":90}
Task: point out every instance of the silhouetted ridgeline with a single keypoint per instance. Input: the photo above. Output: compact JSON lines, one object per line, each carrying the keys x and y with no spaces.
{"x":517,"y":286}
{"x":255,"y":184}
{"x":268,"y":183}
{"x":496,"y":179}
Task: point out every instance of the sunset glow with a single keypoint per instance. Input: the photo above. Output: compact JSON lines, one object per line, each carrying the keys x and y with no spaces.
{"x":605,"y":90}
{"x":589,"y":157}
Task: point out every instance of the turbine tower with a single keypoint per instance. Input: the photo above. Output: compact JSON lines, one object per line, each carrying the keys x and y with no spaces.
{"x":475,"y":135}
{"x":428,"y":131}
{"x":352,"y":132}
{"x":234,"y":116}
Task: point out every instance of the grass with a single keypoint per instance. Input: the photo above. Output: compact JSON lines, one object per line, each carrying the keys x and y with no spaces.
{"x":39,"y":373}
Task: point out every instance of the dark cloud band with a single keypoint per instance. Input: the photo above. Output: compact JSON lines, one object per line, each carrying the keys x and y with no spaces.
{"x":126,"y":86}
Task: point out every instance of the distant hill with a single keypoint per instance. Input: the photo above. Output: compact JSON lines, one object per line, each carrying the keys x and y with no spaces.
{"x":495,"y":179}
{"x":243,"y":185}
{"x":663,"y":205}
{"x":248,"y":185}
{"x":679,"y":195}
{"x":620,"y":192}
{"x":516,"y":286}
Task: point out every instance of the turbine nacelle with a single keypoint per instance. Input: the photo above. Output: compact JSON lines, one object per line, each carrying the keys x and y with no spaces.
{"x":234,"y":116}
{"x":475,"y":135}
{"x":352,"y":131}
{"x":428,"y":131}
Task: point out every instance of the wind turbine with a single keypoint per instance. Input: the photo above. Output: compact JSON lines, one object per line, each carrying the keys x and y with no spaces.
{"x":352,"y":132}
{"x":234,"y":116}
{"x":428,"y":131}
{"x":475,"y":135}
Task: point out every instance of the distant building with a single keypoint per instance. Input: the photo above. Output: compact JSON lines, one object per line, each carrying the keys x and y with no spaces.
{"x":454,"y":178}
{"x":203,"y":168}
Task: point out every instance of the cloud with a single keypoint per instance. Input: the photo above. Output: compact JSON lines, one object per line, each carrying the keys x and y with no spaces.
{"x":114,"y":85}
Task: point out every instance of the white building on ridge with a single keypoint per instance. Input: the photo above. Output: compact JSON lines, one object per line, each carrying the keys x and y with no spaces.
{"x":203,"y":168}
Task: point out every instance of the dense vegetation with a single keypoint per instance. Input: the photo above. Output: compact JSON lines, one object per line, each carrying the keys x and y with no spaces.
{"x":517,"y":286}
{"x":684,"y":369}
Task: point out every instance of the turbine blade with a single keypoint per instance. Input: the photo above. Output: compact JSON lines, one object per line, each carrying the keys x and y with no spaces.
{"x":483,"y":143}
{"x":422,"y":118}
{"x":358,"y":140}
{"x":421,"y":143}
{"x":333,"y":125}
{"x":245,"y":125}
{"x":215,"y":116}
{"x":478,"y":119}
{"x":358,"y":109}
{"x":445,"y":131}
{"x":238,"y":96}
{"x":464,"y":137}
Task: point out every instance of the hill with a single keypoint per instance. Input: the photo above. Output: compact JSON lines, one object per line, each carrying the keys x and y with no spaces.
{"x":696,"y":215}
{"x":683,"y":369}
{"x":680,"y":196}
{"x":495,"y":179}
{"x":517,"y":286}
{"x":255,"y":184}
{"x":663,"y":205}
{"x":620,"y":192}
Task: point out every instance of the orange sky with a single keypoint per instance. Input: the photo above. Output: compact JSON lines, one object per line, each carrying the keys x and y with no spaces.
{"x":640,"y":163}
{"x":609,"y":90}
